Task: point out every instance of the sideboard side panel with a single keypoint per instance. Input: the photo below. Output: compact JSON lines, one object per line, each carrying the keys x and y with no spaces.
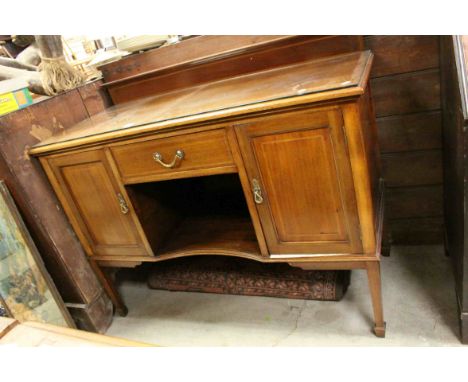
{"x":362,"y":169}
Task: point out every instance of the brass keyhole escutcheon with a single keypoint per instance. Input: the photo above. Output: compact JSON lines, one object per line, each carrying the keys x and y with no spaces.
{"x":257,"y":191}
{"x":123,"y":204}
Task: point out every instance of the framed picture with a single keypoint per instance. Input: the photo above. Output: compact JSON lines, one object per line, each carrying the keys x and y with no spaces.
{"x":27,"y":292}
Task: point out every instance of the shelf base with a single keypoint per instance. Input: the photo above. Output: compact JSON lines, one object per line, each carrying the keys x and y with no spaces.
{"x":212,"y":235}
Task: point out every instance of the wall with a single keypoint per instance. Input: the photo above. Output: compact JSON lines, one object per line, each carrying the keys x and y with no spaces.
{"x":405,"y":86}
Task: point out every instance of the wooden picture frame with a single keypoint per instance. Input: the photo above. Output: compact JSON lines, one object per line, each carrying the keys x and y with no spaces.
{"x":26,"y":290}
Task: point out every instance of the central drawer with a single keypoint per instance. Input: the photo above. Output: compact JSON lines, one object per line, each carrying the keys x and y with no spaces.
{"x":185,"y":155}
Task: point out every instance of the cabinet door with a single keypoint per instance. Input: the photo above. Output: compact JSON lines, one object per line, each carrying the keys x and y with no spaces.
{"x":96,"y":204}
{"x":299,"y":168}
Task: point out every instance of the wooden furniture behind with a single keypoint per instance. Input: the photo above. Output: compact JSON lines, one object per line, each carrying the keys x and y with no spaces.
{"x":455,"y":113}
{"x":280,"y":165}
{"x":56,"y":242}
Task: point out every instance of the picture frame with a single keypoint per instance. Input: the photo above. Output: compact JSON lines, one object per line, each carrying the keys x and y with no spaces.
{"x":27,"y":292}
{"x":3,"y":312}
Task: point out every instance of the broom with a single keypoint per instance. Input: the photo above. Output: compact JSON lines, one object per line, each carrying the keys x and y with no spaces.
{"x":56,"y":73}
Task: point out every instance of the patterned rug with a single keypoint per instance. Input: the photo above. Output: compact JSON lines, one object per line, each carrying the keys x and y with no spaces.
{"x":225,"y":275}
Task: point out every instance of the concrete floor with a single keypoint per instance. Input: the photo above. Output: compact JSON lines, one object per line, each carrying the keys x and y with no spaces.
{"x":419,"y":305}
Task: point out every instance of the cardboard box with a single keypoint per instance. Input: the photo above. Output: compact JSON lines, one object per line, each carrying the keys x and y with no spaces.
{"x":14,"y":100}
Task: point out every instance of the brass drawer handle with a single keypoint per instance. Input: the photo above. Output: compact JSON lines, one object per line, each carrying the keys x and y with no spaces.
{"x":123,"y":204}
{"x":257,"y":191}
{"x":179,"y":155}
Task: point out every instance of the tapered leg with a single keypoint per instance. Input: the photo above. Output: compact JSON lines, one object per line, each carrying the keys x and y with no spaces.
{"x":109,"y":287}
{"x":373,"y":275}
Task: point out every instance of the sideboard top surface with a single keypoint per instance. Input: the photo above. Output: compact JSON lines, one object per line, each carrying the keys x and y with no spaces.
{"x":339,"y":76}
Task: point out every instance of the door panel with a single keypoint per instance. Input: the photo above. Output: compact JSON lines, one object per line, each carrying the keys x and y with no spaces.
{"x":96,"y":200}
{"x":301,"y":163}
{"x":98,"y":208}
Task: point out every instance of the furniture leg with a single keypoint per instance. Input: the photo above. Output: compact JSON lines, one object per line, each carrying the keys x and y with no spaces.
{"x":373,"y":275}
{"x":110,"y":289}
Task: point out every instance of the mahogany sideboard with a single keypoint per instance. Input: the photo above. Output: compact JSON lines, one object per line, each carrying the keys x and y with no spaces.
{"x":279,"y":165}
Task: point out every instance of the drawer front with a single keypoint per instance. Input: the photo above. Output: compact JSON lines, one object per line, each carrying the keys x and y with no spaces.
{"x":191,"y":154}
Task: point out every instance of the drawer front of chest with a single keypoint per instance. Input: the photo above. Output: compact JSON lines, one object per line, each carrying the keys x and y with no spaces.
{"x":301,"y":182}
{"x":96,"y":203}
{"x":184,"y":155}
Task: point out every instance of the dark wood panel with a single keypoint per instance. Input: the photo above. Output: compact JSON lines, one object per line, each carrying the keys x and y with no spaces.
{"x":412,"y":168}
{"x":198,"y":48}
{"x":401,"y":54}
{"x":417,"y":230}
{"x":406,"y":93}
{"x":455,"y":140}
{"x":410,"y":202}
{"x":19,"y":131}
{"x":420,"y":131}
{"x":455,"y":151}
{"x":59,"y":248}
{"x":203,"y":49}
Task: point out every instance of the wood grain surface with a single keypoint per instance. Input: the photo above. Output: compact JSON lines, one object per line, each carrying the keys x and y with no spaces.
{"x":337,"y":76}
{"x":212,"y":58}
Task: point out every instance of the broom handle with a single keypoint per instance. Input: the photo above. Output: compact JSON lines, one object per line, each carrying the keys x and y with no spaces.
{"x":50,"y":45}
